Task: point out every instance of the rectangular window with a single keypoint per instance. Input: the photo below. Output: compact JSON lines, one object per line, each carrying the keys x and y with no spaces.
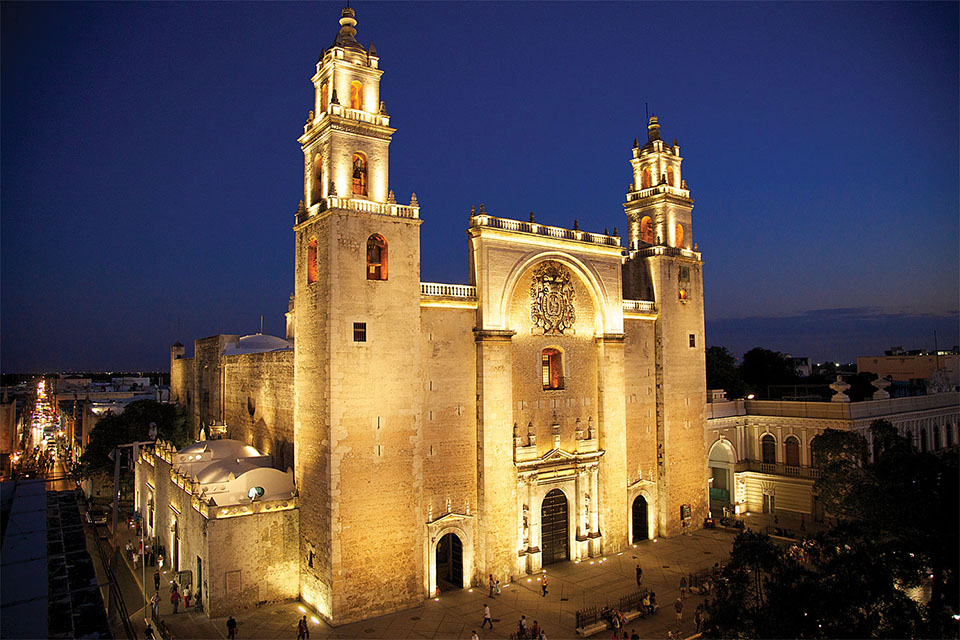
{"x":359,"y":331}
{"x":693,"y":339}
{"x":551,"y":369}
{"x":684,"y":274}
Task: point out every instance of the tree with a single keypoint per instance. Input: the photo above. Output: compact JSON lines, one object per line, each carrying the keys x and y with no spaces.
{"x":132,"y":425}
{"x":722,"y":372}
{"x":909,"y":502}
{"x":763,"y":368}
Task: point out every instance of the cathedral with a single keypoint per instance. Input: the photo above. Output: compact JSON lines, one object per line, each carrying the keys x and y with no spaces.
{"x":551,"y":409}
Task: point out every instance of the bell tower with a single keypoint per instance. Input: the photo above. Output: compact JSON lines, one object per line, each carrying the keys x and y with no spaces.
{"x":664,"y":266}
{"x":346,"y":138}
{"x":356,"y":327}
{"x":658,"y":204}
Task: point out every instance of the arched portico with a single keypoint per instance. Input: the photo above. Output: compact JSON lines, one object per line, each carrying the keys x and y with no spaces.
{"x":440,"y":548}
{"x":722,"y":463}
{"x":642,"y":493}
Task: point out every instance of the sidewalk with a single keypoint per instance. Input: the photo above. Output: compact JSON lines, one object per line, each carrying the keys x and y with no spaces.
{"x":455,"y":614}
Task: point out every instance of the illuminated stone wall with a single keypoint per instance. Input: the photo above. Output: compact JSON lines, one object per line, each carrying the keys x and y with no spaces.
{"x":244,"y":559}
{"x":258,"y":403}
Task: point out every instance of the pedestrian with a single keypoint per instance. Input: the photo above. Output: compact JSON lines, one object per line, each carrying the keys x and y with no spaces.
{"x":129,"y":550}
{"x":231,"y":628}
{"x":136,"y":556}
{"x":175,"y":600}
{"x":155,"y":605}
{"x":523,"y":625}
{"x":173,"y":586}
{"x":474,"y":636}
{"x":148,"y":632}
{"x":186,"y":599}
{"x":486,"y":615}
{"x":678,"y":607}
{"x":302,"y":630}
{"x":543,"y":635}
{"x":683,"y":586}
{"x":634,"y":635}
{"x":156,"y":580}
{"x":543,"y":586}
{"x":491,"y":584}
{"x":639,"y":574}
{"x":160,"y":561}
{"x":535,"y":630}
{"x":698,"y":617}
{"x":497,"y":586}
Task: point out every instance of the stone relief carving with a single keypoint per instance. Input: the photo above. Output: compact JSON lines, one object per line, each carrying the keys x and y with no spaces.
{"x":551,"y":299}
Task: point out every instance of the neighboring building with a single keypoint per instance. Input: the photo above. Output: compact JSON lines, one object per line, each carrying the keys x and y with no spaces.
{"x":801,"y":364}
{"x":551,"y":409}
{"x":218,"y":509}
{"x":918,"y":369}
{"x":759,"y":450}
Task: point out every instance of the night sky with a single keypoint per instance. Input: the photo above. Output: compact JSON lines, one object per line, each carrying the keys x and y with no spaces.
{"x":150,"y":168}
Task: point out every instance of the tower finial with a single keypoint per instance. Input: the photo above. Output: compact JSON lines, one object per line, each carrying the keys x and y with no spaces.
{"x":653,"y":129}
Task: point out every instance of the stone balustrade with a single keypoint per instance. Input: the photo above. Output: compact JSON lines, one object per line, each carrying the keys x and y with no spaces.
{"x":350,"y":114}
{"x":484,"y":220}
{"x":660,"y":188}
{"x":639,"y":306}
{"x":660,"y":250}
{"x":368,"y":206}
{"x":448,"y":290}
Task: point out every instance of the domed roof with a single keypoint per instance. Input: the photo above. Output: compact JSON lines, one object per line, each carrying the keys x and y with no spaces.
{"x":217,"y":449}
{"x":256,"y":343}
{"x":219,"y":471}
{"x":345,"y":37}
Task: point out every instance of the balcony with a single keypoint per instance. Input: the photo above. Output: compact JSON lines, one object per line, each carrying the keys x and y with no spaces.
{"x":639,"y":306}
{"x":448,"y":290}
{"x":661,"y":250}
{"x":778,"y":469}
{"x":660,"y":188}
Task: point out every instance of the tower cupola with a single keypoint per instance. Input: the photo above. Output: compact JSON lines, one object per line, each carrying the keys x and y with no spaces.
{"x":658,"y":204}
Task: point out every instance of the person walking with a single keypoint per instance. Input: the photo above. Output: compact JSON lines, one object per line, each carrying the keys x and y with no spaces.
{"x":474,"y":636}
{"x":683,"y":586}
{"x":639,"y":574}
{"x":491,"y":584}
{"x":231,"y":628}
{"x":497,"y":586}
{"x":186,"y":599}
{"x":698,"y":617}
{"x":302,"y":630}
{"x":156,"y":580}
{"x":486,"y":616}
{"x":155,"y":605}
{"x":523,"y":626}
{"x":678,"y":607}
{"x":148,"y":632}
{"x":543,"y":586}
{"x":175,"y":600}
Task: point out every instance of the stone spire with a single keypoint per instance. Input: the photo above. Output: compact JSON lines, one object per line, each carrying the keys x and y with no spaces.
{"x":653,"y":129}
{"x":346,"y":37}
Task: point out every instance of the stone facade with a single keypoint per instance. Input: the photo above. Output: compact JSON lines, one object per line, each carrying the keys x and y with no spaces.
{"x":550,"y":409}
{"x":746,"y":478}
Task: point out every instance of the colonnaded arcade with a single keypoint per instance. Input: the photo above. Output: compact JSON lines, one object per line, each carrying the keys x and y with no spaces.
{"x":552,"y":409}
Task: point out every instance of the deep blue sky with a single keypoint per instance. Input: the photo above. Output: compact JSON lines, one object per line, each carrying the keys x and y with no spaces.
{"x":150,"y":169}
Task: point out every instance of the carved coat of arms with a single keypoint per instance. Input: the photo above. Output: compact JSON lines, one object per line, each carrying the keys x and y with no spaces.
{"x":551,"y":299}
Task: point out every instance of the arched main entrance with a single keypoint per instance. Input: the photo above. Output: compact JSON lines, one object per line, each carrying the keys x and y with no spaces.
{"x":640,"y":531}
{"x":449,"y":563}
{"x":553,"y":518}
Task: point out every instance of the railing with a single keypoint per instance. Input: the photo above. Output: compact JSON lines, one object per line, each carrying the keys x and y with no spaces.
{"x":589,"y":616}
{"x":369,"y":206}
{"x":660,"y":188}
{"x":640,"y":306}
{"x":666,"y":251}
{"x":483,"y":220}
{"x":791,"y":470}
{"x":778,"y":469}
{"x":351,"y":114}
{"x":448,"y":290}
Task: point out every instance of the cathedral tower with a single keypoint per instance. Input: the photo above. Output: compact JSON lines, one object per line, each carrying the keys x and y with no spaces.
{"x":356,"y":322}
{"x":664,"y":266}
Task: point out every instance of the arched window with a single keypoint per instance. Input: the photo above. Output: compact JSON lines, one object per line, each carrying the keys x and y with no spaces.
{"x":949,"y":431}
{"x":814,"y":458}
{"x":923,"y":440}
{"x":356,"y":95}
{"x":312,"y":261}
{"x":909,"y":437}
{"x":645,"y":178}
{"x":316,"y":191}
{"x":646,"y":229}
{"x":768,"y":448}
{"x":670,"y":177}
{"x":324,"y":98}
{"x":791,"y":452}
{"x":678,"y":236}
{"x":551,"y":369}
{"x":936,"y":437}
{"x":376,"y":257}
{"x":359,"y":174}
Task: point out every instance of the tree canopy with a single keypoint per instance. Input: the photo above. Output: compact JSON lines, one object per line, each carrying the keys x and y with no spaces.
{"x":132,"y":425}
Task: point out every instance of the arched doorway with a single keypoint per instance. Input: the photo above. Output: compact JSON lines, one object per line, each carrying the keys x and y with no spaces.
{"x":553,"y":518}
{"x":449,"y":563}
{"x":640,"y":532}
{"x":721,"y":464}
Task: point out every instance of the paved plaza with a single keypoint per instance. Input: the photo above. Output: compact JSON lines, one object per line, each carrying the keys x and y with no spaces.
{"x":455,"y":614}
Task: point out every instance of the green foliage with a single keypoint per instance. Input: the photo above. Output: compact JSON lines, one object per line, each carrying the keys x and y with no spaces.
{"x":133,"y":425}
{"x":722,"y":372}
{"x":763,"y":368}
